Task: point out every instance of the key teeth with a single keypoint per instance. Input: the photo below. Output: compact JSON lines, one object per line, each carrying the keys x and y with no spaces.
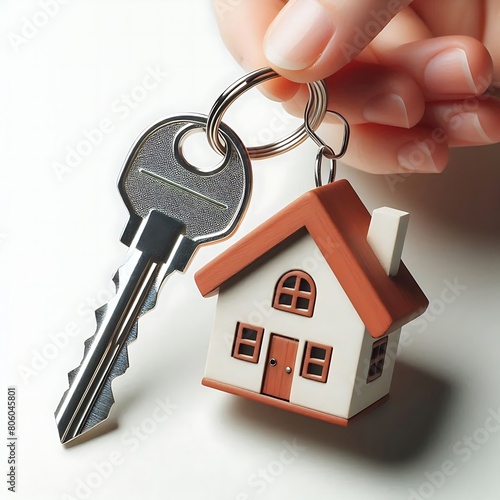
{"x":116,"y":279}
{"x":61,"y":402}
{"x":71,"y":376}
{"x":150,"y":301}
{"x":87,"y":344}
{"x":100,"y":314}
{"x":105,"y":400}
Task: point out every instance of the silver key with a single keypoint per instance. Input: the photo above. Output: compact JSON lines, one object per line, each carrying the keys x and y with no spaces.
{"x":174,"y":208}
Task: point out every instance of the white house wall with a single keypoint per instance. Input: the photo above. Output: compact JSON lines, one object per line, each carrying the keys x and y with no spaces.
{"x":364,"y":394}
{"x":248,"y":297}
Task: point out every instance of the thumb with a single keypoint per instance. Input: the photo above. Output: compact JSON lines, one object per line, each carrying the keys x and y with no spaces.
{"x":312,"y":39}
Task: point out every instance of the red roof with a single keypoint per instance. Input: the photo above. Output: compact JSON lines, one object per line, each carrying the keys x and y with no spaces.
{"x":338,"y":222}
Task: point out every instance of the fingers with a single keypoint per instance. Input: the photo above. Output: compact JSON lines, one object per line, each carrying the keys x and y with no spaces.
{"x":490,"y":37}
{"x":455,"y":17}
{"x":242,"y":25}
{"x":448,"y":67}
{"x":367,"y":93}
{"x":424,"y":148}
{"x":312,"y":39}
{"x":408,"y":97}
{"x":304,"y":40}
{"x":474,"y":122}
{"x":389,"y":150}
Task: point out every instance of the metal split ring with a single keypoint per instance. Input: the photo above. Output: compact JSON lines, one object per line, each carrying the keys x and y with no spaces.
{"x":325,"y":150}
{"x":315,"y":112}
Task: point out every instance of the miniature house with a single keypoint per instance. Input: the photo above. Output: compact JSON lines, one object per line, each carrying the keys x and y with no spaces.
{"x":311,"y":305}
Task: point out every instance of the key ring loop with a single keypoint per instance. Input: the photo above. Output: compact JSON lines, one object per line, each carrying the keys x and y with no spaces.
{"x":315,"y":112}
{"x":326,"y":151}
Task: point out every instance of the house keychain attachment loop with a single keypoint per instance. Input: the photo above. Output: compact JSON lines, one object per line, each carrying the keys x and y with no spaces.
{"x":316,"y":112}
{"x":325,"y":151}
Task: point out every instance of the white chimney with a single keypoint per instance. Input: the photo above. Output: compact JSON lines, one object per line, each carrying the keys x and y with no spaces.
{"x":386,"y":236}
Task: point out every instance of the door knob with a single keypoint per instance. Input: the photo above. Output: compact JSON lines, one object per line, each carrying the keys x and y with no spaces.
{"x":288,"y":369}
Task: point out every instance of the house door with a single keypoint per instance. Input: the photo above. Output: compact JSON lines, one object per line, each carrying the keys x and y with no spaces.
{"x":278,"y":374}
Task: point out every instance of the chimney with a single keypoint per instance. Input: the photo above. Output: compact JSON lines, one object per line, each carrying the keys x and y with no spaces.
{"x":386,"y":236}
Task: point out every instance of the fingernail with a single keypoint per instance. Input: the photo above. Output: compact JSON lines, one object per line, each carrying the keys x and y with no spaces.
{"x":468,"y":128}
{"x":416,"y":156}
{"x":387,"y":109}
{"x":299,"y":35}
{"x":451,"y":66}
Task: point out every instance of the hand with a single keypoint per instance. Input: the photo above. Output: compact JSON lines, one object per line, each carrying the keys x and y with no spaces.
{"x":421,"y":86}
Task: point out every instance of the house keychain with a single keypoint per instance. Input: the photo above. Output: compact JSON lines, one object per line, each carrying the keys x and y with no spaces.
{"x":320,"y":347}
{"x":311,"y":303}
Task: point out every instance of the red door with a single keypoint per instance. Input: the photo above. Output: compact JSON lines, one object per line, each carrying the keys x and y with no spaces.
{"x":278,"y":374}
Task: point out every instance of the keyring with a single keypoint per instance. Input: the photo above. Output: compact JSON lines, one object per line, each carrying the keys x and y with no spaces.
{"x":316,"y":106}
{"x":326,"y":151}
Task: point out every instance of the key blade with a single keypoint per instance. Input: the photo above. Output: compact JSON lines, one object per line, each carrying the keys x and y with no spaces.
{"x":89,"y":398}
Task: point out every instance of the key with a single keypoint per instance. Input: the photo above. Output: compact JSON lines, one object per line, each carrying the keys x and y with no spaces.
{"x":174,"y":208}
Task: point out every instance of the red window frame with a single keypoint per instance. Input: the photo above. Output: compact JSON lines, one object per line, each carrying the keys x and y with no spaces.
{"x":245,"y":347}
{"x":295,"y":293}
{"x":315,"y":361}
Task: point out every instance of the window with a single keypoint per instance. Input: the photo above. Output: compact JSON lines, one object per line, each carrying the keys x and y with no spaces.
{"x":295,"y":293}
{"x":247,"y":342}
{"x":316,"y":361}
{"x":377,"y":359}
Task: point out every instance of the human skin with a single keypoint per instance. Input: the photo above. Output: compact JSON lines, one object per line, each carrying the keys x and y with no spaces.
{"x":423,"y":85}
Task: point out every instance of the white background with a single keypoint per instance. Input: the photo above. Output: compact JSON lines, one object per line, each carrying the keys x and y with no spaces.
{"x":60,"y":245}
